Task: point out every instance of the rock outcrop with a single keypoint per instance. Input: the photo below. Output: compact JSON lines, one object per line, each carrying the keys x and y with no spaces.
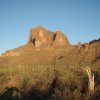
{"x":84,"y":46}
{"x":12,"y":53}
{"x":40,"y":37}
{"x":59,"y":39}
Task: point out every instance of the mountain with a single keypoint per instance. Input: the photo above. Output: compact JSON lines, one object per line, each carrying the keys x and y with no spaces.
{"x":44,"y":46}
{"x":48,"y":67}
{"x":41,"y":44}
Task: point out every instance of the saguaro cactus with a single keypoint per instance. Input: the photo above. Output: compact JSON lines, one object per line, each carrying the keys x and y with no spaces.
{"x":91,"y":79}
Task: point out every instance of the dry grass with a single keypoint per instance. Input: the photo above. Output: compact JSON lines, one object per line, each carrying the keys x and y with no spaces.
{"x":71,"y":79}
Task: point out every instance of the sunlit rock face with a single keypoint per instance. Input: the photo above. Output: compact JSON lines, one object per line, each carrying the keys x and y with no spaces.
{"x":41,"y":37}
{"x":59,"y":39}
{"x":11,"y":53}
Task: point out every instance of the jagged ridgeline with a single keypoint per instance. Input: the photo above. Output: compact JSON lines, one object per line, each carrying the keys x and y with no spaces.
{"x":48,"y":67}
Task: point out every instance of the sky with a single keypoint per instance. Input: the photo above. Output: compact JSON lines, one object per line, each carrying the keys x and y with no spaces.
{"x":79,"y":20}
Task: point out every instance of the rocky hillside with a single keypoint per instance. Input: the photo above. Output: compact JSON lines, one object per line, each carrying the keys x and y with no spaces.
{"x":44,"y":46}
{"x":48,"y":67}
{"x":84,"y":54}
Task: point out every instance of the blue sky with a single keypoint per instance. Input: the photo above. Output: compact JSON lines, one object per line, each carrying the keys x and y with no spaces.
{"x":79,"y":20}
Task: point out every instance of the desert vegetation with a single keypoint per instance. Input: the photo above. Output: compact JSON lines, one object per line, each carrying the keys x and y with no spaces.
{"x":93,"y":41}
{"x":47,"y":82}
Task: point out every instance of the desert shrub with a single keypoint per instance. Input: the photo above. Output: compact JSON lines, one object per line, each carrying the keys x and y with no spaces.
{"x":37,"y":82}
{"x":93,"y":41}
{"x":97,"y":92}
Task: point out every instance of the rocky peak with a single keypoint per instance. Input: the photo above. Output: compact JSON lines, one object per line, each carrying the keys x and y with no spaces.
{"x":41,"y":37}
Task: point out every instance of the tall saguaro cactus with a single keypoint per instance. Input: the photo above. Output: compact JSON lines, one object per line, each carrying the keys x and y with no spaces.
{"x":91,"y":79}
